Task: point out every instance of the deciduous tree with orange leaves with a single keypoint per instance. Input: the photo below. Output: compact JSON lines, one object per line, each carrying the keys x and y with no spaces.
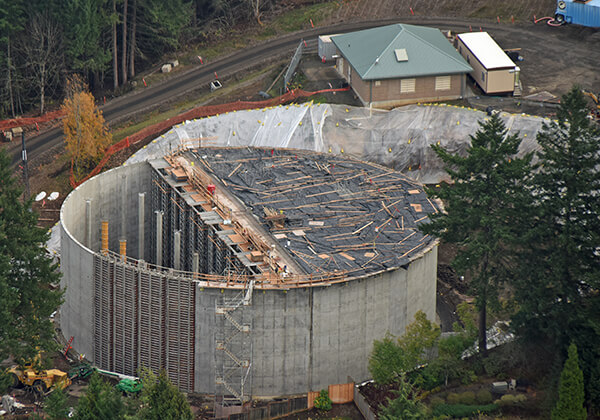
{"x":86,"y":133}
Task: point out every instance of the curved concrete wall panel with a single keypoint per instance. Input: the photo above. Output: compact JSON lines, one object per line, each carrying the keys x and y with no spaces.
{"x":124,"y":315}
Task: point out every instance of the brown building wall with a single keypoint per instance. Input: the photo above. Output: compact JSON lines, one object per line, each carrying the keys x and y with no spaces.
{"x":388,"y":93}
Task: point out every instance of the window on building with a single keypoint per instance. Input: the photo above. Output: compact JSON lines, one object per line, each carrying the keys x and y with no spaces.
{"x":407,"y":85}
{"x":483,"y":76}
{"x":443,"y":83}
{"x":377,"y":82}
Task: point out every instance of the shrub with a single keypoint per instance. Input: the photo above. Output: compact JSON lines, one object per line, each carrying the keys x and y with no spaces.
{"x":484,"y":396}
{"x":323,"y":402}
{"x":452,"y":398}
{"x":467,"y":398}
{"x":435,"y":401}
{"x":510,"y":400}
{"x":461,"y":410}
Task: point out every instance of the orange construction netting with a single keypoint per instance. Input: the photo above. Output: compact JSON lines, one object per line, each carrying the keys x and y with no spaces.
{"x":23,"y":122}
{"x":155,"y":130}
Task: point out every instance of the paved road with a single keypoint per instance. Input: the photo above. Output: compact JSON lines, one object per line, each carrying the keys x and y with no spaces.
{"x":551,"y":70}
{"x":128,"y":105}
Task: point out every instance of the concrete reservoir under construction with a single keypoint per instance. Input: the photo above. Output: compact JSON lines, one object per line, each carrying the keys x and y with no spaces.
{"x":244,"y":272}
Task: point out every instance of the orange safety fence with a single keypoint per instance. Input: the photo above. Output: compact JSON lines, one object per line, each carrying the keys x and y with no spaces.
{"x":22,"y":122}
{"x":155,"y":130}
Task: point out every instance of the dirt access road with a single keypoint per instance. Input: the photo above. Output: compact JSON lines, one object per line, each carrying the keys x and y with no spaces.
{"x":555,"y":58}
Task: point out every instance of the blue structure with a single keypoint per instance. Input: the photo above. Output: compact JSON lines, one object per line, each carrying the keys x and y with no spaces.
{"x":579,"y":12}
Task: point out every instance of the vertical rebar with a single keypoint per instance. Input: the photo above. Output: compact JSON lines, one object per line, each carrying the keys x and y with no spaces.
{"x":141,"y":222}
{"x":104,"y":236}
{"x":195,"y":264}
{"x":123,"y":248}
{"x":177,"y":250}
{"x":159,"y":221}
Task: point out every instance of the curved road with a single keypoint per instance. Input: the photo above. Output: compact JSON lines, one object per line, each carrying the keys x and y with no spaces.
{"x":567,"y":39}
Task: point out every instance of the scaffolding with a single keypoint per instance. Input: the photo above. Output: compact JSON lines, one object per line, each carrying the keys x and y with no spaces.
{"x":233,"y":345}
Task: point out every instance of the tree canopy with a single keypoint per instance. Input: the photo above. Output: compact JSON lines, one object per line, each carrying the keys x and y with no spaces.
{"x":86,"y":134}
{"x":487,"y":193}
{"x":392,"y":356}
{"x":570,"y":395}
{"x":101,"y":401}
{"x":558,"y":277}
{"x":161,"y":400}
{"x":102,"y":40}
{"x":28,"y":276}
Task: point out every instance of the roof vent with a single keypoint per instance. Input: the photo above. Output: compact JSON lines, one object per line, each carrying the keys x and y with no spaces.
{"x":401,"y":54}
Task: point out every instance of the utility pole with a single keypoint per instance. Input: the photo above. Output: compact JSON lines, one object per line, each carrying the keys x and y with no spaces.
{"x":25,"y":171}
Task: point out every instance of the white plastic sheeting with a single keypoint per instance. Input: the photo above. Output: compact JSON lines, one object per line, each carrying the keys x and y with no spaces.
{"x":400,"y":138}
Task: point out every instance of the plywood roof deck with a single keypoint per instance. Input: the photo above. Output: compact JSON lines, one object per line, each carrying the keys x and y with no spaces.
{"x":334,"y":214}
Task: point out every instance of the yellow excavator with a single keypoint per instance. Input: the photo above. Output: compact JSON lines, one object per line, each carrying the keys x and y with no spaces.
{"x":39,"y":380}
{"x":595,"y":98}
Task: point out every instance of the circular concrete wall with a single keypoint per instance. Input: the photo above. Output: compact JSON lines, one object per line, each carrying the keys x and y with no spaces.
{"x":124,"y":313}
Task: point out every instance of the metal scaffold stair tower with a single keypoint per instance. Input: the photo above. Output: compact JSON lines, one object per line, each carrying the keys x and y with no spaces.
{"x":233,"y":345}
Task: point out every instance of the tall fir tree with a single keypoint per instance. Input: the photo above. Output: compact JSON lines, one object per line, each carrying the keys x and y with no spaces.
{"x":486,"y":195}
{"x":28,"y":276}
{"x":101,"y":401}
{"x":570,"y":392}
{"x":55,"y":405}
{"x":88,"y":21}
{"x":161,"y":400}
{"x":561,"y":265}
{"x":557,"y":287}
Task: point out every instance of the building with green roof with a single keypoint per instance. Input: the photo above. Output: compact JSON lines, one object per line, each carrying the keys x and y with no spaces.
{"x":401,"y":64}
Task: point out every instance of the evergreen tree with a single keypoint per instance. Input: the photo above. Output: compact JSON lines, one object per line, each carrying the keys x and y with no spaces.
{"x":160,"y":26}
{"x":570,"y":391}
{"x":404,"y":406}
{"x":56,"y":404}
{"x":100,"y":402}
{"x":561,"y":265}
{"x":480,"y":207}
{"x":161,"y":400}
{"x":87,"y":21}
{"x":12,"y":18}
{"x":28,"y":277}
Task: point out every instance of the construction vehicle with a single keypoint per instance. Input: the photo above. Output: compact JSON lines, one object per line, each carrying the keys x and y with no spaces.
{"x":130,"y":387}
{"x":83,"y":371}
{"x":578,"y":12}
{"x":592,"y":95}
{"x":595,"y":98}
{"x":40,"y":381}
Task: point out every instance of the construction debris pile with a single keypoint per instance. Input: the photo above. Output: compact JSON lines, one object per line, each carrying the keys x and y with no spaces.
{"x":333,"y":214}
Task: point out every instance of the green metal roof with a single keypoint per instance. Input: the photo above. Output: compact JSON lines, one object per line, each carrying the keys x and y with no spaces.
{"x":372,"y":52}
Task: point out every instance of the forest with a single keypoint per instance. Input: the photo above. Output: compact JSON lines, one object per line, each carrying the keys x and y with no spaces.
{"x":107,"y":42}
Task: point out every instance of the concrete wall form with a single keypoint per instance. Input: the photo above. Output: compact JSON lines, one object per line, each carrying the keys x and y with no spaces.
{"x":124,"y":315}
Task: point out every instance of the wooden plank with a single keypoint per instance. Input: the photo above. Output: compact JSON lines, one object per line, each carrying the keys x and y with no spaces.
{"x":348,"y":257}
{"x":418,"y":208}
{"x":234,"y":170}
{"x":357,"y":231}
{"x":237,"y":238}
{"x":341,"y":393}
